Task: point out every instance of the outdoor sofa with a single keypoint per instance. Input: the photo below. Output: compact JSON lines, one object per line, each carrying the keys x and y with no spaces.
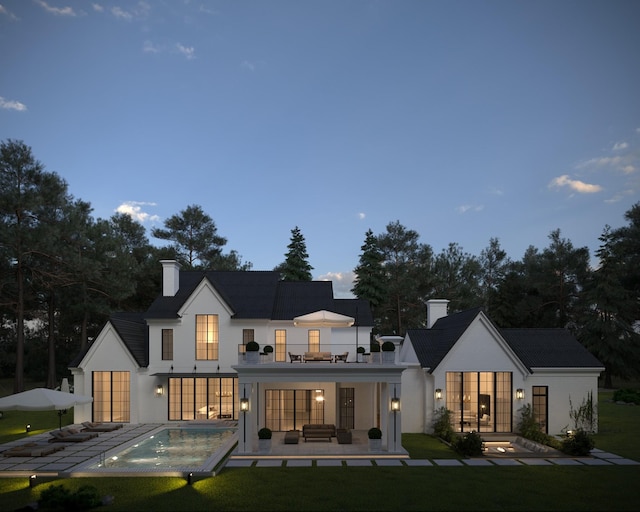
{"x":70,"y":435}
{"x":318,"y":431}
{"x":100,"y":427}
{"x":317,"y":356}
{"x":31,"y":450}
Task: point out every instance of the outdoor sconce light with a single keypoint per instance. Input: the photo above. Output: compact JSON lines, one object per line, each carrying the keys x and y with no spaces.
{"x":438,"y":394}
{"x":520,"y":394}
{"x":244,"y":404}
{"x":27,"y":428}
{"x":395,"y":404}
{"x":159,"y":390}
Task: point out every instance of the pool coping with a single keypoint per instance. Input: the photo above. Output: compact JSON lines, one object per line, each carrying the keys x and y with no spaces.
{"x":206,"y":468}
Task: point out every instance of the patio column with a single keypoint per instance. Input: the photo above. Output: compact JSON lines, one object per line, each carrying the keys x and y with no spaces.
{"x":392,"y":421}
{"x":246,"y":419}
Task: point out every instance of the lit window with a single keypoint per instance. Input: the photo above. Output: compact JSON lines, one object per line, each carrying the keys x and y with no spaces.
{"x":167,"y":344}
{"x":281,"y":344}
{"x":207,"y":337}
{"x":314,"y":340}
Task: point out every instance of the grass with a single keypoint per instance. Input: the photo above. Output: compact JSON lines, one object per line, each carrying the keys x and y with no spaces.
{"x":384,"y":488}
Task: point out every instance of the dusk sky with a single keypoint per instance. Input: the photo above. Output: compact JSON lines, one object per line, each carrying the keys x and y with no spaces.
{"x":462,"y":120}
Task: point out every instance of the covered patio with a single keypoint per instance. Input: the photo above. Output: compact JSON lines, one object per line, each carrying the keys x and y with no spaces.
{"x":372,"y":408}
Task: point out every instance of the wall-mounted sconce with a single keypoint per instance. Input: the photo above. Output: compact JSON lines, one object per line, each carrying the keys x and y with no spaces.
{"x":244,"y":404}
{"x":395,"y":404}
{"x":159,"y":390}
{"x":520,"y":394}
{"x":27,"y":428}
{"x":319,"y":395}
{"x":438,"y":394}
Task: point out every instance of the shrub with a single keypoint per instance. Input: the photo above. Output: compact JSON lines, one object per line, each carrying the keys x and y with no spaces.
{"x":528,"y":427}
{"x":629,"y":396}
{"x":360,"y":350}
{"x":469,"y":445}
{"x":252,"y":346}
{"x":58,"y":498}
{"x":442,"y":424}
{"x":264,"y":433}
{"x":585,"y":417}
{"x":388,"y":346}
{"x":375,"y":347}
{"x":578,"y":442}
{"x":268,"y":349}
{"x":374,"y":433}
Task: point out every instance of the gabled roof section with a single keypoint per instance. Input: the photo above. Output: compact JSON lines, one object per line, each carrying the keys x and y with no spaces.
{"x":249,"y":294}
{"x":432,"y":345}
{"x":297,"y":298}
{"x":355,"y":308}
{"x":549,"y":348}
{"x":133,"y":331}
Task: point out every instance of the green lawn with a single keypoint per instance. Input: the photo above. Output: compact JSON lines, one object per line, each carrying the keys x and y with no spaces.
{"x":383,"y":488}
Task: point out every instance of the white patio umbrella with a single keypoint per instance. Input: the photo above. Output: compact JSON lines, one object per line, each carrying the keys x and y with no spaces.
{"x":43,"y":399}
{"x":323,"y":318}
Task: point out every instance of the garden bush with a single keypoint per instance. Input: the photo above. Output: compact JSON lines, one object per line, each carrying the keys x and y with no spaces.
{"x":577,"y":442}
{"x":469,"y":445}
{"x":627,"y":395}
{"x":442,"y":424}
{"x":59,"y":498}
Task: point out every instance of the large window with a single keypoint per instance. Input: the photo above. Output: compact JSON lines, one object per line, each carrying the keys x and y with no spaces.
{"x":289,"y":409}
{"x":203,"y":398}
{"x":480,"y":401}
{"x":167,"y":344}
{"x":207,"y":337}
{"x":281,"y":345}
{"x":247,"y":336}
{"x":111,"y":396}
{"x":540,"y":405}
{"x":314,"y":340}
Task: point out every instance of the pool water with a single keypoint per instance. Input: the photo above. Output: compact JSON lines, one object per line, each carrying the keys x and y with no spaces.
{"x":170,"y":448}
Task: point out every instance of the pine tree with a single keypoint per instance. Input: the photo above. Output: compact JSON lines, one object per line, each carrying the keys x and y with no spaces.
{"x":296,"y":267}
{"x":370,"y":280}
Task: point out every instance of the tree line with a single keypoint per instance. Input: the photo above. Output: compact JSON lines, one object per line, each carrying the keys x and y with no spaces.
{"x":62,"y":272}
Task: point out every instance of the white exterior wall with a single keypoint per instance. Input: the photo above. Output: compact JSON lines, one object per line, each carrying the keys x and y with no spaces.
{"x":566,"y":389}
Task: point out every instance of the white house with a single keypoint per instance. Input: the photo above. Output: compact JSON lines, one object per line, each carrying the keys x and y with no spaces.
{"x":484,"y":374}
{"x":185,"y":359}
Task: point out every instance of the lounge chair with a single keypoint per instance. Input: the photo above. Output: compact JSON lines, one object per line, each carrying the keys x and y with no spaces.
{"x":70,"y":436}
{"x":31,"y":450}
{"x":100,"y":427}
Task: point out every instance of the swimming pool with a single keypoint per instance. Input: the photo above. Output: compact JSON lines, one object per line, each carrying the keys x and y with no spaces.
{"x":170,"y":449}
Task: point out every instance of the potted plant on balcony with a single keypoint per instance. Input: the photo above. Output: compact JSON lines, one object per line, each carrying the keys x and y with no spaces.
{"x":388,"y":352}
{"x":375,"y":352}
{"x":264,"y":440}
{"x":375,"y":439}
{"x":360,"y":354}
{"x":268,"y":352}
{"x":253,"y":352}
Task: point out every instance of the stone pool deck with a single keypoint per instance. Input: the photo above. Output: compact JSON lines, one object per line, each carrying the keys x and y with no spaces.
{"x":75,"y":456}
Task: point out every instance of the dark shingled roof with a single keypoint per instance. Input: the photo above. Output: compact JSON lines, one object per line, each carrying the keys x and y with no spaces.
{"x":133,"y":330}
{"x":549,"y":348}
{"x":536,"y":348}
{"x":250,"y":295}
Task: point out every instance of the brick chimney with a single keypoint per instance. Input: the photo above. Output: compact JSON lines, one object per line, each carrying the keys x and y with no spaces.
{"x":436,"y":309}
{"x":170,"y":277}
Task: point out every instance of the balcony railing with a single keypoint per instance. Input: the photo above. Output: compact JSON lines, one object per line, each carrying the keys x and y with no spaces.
{"x":325,"y":354}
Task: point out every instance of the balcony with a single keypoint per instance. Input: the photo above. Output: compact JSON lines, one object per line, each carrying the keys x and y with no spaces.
{"x":324,"y":355}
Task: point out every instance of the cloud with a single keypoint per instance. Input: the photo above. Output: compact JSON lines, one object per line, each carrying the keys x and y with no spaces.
{"x":462,"y":209}
{"x":249,"y":66}
{"x":187,"y":51}
{"x":9,"y":14}
{"x":342,"y":283}
{"x":97,"y":7}
{"x":576,"y":185}
{"x":12,"y":105}
{"x":605,"y":161}
{"x":58,"y":11}
{"x":134,"y":210}
{"x":149,"y":47}
{"x":620,"y":196}
{"x":141,"y":10}
{"x":618,"y":146}
{"x":628,"y":169}
{"x":361,"y":215}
